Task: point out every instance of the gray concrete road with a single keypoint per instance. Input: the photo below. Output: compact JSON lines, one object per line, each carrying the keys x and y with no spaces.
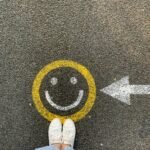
{"x":109,"y":37}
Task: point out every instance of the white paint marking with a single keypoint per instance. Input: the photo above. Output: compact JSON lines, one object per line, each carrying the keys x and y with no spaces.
{"x":64,"y":108}
{"x":54,"y":81}
{"x":73,"y":80}
{"x":122,"y":90}
{"x":30,"y":104}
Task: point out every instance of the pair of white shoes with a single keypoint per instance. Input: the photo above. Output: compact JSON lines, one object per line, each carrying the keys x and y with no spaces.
{"x":59,"y":134}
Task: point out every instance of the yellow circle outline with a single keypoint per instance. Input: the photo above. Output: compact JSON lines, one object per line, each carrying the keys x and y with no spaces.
{"x":59,"y":64}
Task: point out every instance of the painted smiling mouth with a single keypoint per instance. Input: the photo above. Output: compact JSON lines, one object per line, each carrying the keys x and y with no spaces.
{"x":64,"y":108}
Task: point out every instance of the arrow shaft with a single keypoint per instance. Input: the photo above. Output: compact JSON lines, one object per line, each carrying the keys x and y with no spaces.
{"x":139,"y":89}
{"x":122,"y":90}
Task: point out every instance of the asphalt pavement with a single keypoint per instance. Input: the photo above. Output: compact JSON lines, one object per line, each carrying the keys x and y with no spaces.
{"x":109,"y":37}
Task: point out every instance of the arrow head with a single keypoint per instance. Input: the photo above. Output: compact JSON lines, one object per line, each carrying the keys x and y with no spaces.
{"x":119,"y":90}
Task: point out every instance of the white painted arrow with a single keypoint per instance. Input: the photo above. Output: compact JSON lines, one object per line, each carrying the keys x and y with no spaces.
{"x":122,"y":89}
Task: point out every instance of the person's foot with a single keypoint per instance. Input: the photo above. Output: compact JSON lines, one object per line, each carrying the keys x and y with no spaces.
{"x":69,"y":132}
{"x":55,"y":132}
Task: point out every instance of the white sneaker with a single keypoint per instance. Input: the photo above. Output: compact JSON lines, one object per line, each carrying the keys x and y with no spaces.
{"x":55,"y":132}
{"x":69,"y":132}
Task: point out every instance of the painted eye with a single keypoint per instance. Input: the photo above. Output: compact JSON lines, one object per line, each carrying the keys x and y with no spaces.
{"x":73,"y":80}
{"x":54,"y":81}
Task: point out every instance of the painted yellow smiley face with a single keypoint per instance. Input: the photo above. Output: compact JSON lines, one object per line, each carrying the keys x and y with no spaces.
{"x":64,"y":64}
